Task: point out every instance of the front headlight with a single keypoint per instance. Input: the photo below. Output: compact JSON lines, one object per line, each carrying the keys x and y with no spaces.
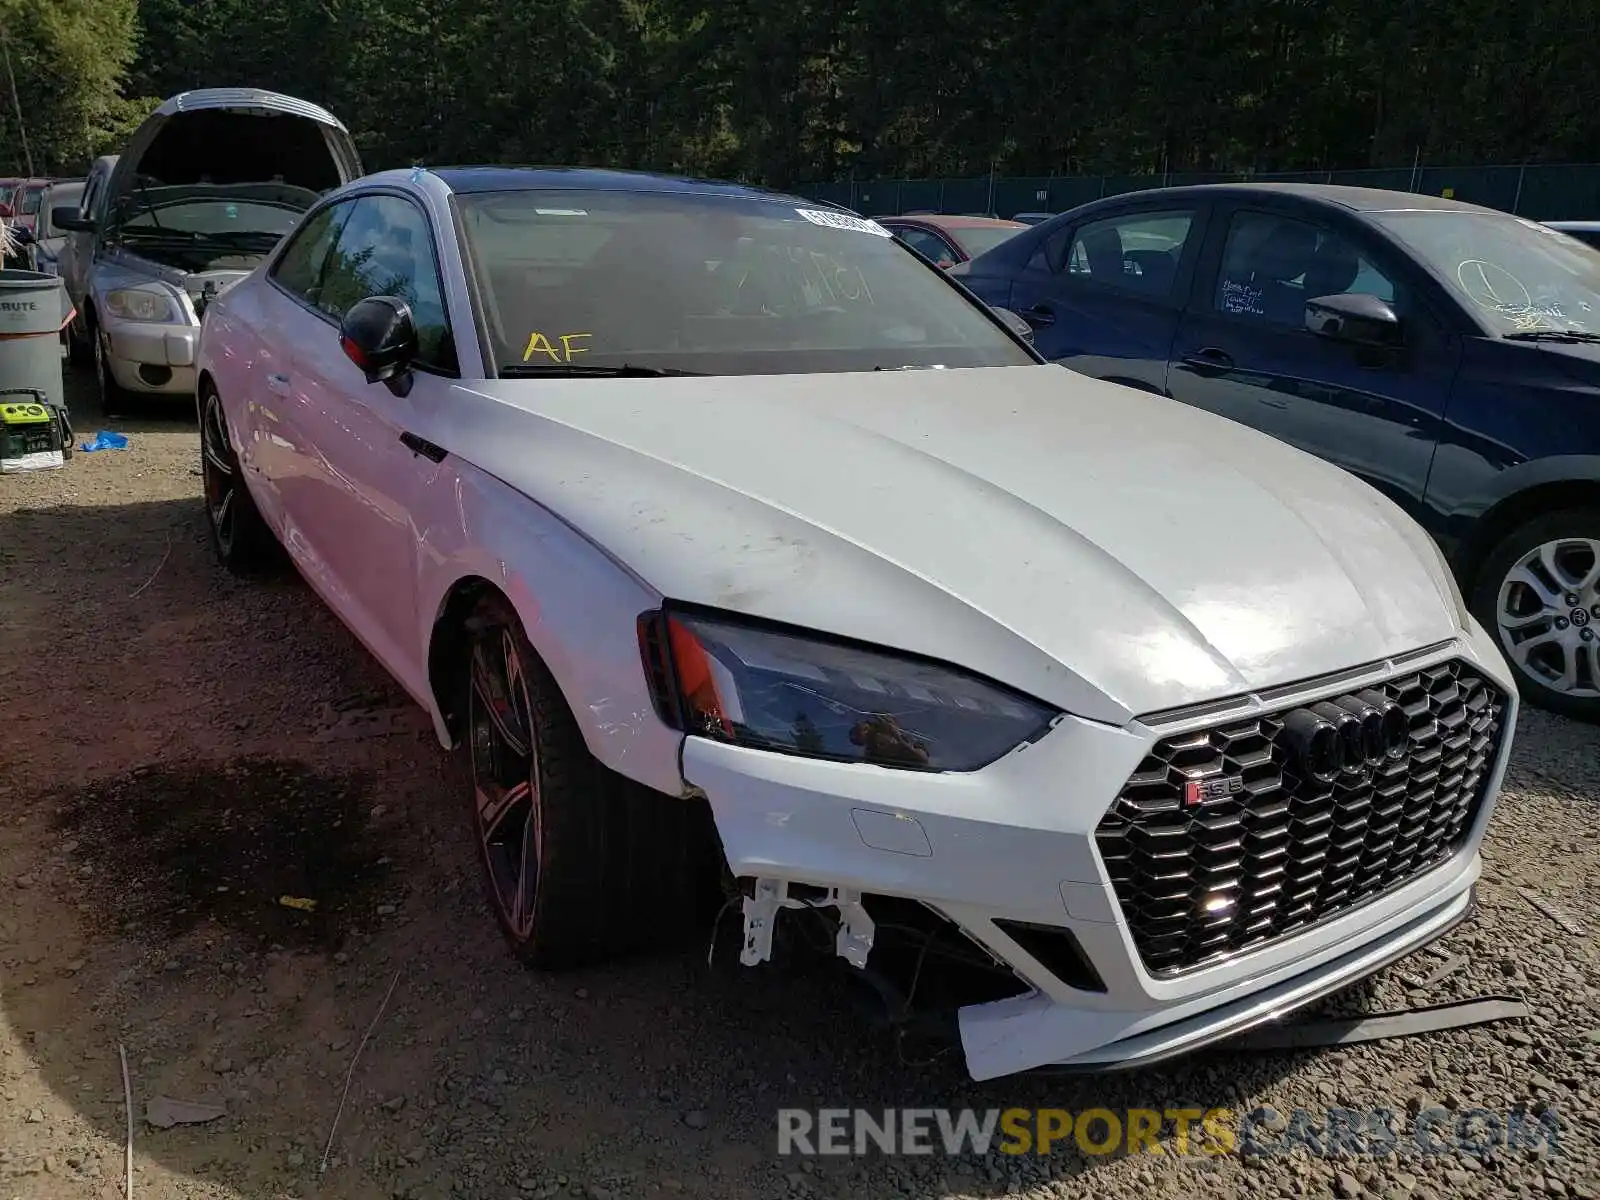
{"x":140,"y":304}
{"x":802,"y":694}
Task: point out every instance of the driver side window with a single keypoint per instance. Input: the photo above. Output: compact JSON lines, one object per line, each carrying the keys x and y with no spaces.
{"x":1272,"y":265}
{"x":298,"y":270}
{"x":91,"y":197}
{"x":386,"y":249}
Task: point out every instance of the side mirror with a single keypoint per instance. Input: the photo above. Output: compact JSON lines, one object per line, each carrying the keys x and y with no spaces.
{"x":379,"y":335}
{"x":66,"y":217}
{"x":1016,"y":324}
{"x":1357,"y":319}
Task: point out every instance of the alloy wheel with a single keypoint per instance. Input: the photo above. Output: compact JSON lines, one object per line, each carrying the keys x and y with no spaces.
{"x":505,"y":776}
{"x":219,"y":471}
{"x":1548,"y":616}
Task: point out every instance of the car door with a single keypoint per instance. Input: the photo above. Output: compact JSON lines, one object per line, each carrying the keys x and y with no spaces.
{"x":77,"y":249}
{"x":52,"y":238}
{"x":276,"y":314}
{"x":364,"y":479}
{"x":1104,"y":295}
{"x":1243,"y":349}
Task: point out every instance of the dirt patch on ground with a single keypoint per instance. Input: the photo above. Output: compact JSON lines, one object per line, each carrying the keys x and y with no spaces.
{"x":270,"y":850}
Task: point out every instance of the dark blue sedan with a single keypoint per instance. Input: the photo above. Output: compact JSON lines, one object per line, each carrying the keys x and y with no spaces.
{"x":1447,"y":354}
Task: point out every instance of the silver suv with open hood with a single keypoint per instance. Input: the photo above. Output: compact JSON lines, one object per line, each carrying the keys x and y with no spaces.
{"x":203,"y":191}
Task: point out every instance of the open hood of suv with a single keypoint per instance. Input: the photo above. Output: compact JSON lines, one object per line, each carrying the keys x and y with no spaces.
{"x":220,"y":136}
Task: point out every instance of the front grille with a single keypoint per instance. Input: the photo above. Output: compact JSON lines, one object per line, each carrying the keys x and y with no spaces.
{"x":1268,"y":850}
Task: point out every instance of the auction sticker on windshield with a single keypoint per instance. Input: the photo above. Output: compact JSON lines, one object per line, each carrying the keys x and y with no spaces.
{"x":833,"y":220}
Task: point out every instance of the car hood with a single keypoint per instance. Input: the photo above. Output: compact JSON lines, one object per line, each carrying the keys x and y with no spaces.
{"x":1106,"y":550}
{"x":218,"y":136}
{"x":124,"y":267}
{"x":130,"y":257}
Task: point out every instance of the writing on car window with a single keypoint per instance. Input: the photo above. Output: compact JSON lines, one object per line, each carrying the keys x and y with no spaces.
{"x":710,"y":284}
{"x":538,"y":343}
{"x":1517,"y":276}
{"x":1272,"y":265}
{"x":818,"y":277}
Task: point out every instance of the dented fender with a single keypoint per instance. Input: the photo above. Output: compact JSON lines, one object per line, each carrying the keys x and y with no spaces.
{"x":578,"y":606}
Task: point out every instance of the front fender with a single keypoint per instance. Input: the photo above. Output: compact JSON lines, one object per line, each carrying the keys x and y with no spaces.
{"x":1556,"y":468}
{"x":1477,"y":517}
{"x":579,"y":607}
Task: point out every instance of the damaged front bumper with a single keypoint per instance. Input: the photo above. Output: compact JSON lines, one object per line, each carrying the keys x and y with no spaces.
{"x":1008,"y":856}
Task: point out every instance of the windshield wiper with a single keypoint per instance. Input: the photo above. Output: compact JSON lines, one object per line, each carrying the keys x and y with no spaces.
{"x":144,"y":194}
{"x":192,"y":237}
{"x":582,"y":370}
{"x":1552,"y":335}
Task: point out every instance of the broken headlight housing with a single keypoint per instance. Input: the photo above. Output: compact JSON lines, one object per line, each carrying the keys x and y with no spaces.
{"x":772,"y":688}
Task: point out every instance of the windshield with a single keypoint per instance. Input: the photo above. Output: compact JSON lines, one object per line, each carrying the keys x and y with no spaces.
{"x":213,"y":218}
{"x":30,"y":200}
{"x":714,"y":284}
{"x":6,"y":189}
{"x":980,"y":239}
{"x":1516,"y":276}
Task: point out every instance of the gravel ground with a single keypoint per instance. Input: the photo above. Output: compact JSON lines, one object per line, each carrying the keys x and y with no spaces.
{"x":174,"y":758}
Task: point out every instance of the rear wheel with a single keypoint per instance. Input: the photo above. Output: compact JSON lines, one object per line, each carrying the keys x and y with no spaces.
{"x":579,"y":863}
{"x":1539,"y":591}
{"x":239,"y":537}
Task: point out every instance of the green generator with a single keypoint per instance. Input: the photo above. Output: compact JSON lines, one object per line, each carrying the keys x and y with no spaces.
{"x":34,"y":435}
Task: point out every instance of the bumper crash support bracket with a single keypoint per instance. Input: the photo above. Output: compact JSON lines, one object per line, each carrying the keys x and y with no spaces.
{"x":856,"y":930}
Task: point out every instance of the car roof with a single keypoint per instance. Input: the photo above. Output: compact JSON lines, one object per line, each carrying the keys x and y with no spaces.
{"x":1357,"y":199}
{"x":1585,"y":226}
{"x":943,"y":221}
{"x":468,"y":180}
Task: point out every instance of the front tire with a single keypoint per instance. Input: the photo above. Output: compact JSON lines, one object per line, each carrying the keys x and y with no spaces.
{"x":1538,"y":591}
{"x":239,"y":537}
{"x":115,"y":400}
{"x":79,"y":352}
{"x":579,"y":863}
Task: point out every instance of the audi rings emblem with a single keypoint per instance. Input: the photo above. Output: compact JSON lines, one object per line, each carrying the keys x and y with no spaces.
{"x":1346,"y":736}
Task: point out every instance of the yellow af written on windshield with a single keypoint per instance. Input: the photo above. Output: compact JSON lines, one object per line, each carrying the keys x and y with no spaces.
{"x":538,"y":343}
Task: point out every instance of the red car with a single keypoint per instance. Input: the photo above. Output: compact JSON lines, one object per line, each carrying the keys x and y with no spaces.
{"x":950,"y":240}
{"x":25,"y":202}
{"x":8,"y":189}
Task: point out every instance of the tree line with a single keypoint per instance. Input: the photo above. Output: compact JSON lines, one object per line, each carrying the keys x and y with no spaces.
{"x":815,"y":90}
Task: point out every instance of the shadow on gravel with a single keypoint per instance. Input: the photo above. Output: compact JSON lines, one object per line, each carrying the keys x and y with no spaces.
{"x":148,"y":414}
{"x":169,"y":743}
{"x":267,"y":849}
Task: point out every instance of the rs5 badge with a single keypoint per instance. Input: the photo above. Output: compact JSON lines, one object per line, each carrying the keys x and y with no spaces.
{"x":1209,"y":791}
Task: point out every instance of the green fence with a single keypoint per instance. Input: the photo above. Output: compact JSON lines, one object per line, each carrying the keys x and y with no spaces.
{"x":1544,"y":192}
